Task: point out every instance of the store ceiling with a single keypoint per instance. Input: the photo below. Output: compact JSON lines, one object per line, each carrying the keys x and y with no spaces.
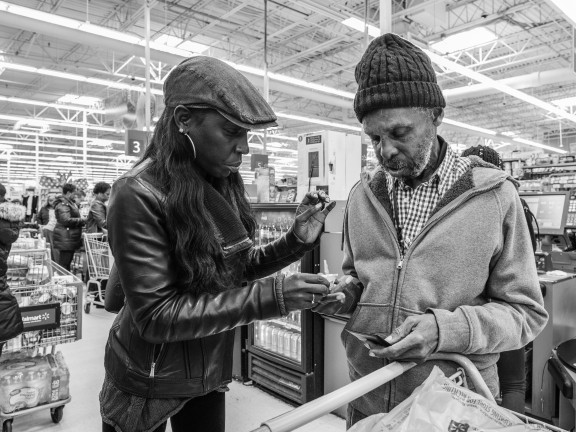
{"x":45,"y":59}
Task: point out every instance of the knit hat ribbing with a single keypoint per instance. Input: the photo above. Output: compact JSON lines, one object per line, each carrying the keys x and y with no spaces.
{"x":394,"y":73}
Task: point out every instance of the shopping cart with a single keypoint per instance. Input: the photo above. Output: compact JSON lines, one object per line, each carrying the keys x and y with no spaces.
{"x":317,"y":408}
{"x":45,"y":292}
{"x":98,"y":259}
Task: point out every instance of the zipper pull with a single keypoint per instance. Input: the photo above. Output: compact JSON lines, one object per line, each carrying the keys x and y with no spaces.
{"x":152,"y":370}
{"x":399,"y":266}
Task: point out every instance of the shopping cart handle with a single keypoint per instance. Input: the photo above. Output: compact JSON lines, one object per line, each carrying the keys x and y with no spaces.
{"x":323,"y":405}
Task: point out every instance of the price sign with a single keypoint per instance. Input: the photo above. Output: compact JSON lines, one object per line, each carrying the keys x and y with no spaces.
{"x":136,"y":142}
{"x":41,"y":317}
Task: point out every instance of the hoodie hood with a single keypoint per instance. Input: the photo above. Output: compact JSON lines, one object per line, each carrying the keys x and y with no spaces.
{"x":12,"y":212}
{"x":61,"y":199}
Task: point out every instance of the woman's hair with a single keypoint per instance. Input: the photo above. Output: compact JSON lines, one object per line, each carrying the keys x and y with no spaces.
{"x":191,"y":234}
{"x":487,"y":154}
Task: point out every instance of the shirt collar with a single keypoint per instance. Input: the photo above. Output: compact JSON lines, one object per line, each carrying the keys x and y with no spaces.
{"x":441,"y":175}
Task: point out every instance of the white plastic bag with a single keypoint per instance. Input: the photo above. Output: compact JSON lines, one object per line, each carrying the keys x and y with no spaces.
{"x":439,"y":405}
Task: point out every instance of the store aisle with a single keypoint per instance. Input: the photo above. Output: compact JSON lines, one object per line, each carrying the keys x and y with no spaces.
{"x":246,"y":406}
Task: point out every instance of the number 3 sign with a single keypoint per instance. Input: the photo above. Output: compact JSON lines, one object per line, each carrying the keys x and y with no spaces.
{"x":136,"y":142}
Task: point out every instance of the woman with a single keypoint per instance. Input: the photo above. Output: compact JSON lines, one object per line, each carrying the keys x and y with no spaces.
{"x":68,"y":230}
{"x":185,"y":253}
{"x":47,"y":221}
{"x":96,"y":221}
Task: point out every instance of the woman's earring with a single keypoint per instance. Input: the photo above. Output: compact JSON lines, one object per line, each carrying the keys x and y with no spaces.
{"x":192,"y":143}
{"x":181,"y":130}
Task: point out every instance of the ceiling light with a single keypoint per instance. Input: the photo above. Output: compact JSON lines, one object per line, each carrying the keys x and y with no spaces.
{"x":467,"y":126}
{"x":565,"y":7}
{"x":80,"y":100}
{"x":319,"y":121}
{"x":357,"y":24}
{"x":464,"y":40}
{"x":535,"y":144}
{"x":40,"y":126}
{"x":565,"y":102}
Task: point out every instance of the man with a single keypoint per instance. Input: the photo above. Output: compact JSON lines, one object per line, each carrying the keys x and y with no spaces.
{"x":96,"y":222}
{"x":441,"y":260}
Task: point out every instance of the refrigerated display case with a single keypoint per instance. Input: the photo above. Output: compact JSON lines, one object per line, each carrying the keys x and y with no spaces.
{"x":285,"y":355}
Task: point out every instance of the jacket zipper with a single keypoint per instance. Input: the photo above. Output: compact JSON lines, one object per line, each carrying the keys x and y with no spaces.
{"x":427,"y":227}
{"x":155,"y":359}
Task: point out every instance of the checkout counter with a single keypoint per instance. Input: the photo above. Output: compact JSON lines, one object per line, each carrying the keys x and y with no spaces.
{"x":558,"y":288}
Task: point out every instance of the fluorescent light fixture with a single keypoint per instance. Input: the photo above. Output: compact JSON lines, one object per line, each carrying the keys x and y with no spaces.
{"x":5,"y":147}
{"x":319,"y":122}
{"x":42,"y":125}
{"x":80,"y":100}
{"x":566,"y":7}
{"x":565,"y":102}
{"x":358,"y":24}
{"x":65,"y":159}
{"x":464,"y":40}
{"x":467,"y":126}
{"x":535,"y":144}
{"x":313,"y":86}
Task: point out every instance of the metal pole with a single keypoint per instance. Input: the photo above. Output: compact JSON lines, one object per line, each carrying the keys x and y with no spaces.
{"x":85,"y":143}
{"x":147,"y":56}
{"x":385,"y":16}
{"x":37,"y":161}
{"x":266,"y":78}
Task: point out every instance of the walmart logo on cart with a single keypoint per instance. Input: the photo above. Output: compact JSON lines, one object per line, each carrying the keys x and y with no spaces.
{"x":32,"y":319}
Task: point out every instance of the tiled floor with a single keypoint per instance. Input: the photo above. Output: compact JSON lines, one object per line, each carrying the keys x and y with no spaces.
{"x":246,"y":406}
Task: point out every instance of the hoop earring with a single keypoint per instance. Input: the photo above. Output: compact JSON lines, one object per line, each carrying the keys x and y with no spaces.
{"x":192,"y":144}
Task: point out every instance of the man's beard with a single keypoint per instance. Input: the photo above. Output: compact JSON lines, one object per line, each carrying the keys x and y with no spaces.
{"x":401,"y":169}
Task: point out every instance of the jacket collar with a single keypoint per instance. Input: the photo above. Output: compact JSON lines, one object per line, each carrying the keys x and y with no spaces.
{"x":479,"y":177}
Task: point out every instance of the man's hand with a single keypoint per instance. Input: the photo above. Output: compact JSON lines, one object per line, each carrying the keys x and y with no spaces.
{"x":415,"y":340}
{"x":310,"y":216}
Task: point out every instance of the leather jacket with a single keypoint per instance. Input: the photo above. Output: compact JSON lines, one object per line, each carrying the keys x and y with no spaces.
{"x":96,"y":220}
{"x":167,"y":341}
{"x":68,"y":229}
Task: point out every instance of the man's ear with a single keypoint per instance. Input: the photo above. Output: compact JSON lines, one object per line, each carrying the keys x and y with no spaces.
{"x":183,"y":117}
{"x":438,"y":116}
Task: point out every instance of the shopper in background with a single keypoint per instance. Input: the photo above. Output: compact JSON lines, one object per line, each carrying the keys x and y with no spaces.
{"x":46,"y":219}
{"x":11,"y":219}
{"x":68,"y":230}
{"x":437,"y":245}
{"x":96,"y":222}
{"x":181,"y":232}
{"x":511,"y":364}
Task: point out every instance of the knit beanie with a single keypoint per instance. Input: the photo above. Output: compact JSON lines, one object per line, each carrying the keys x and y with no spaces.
{"x":394,"y":73}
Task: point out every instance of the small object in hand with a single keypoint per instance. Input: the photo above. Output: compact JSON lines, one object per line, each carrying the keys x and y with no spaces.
{"x":373,"y":338}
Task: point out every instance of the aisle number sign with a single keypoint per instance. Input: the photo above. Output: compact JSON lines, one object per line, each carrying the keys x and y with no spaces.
{"x":136,"y":142}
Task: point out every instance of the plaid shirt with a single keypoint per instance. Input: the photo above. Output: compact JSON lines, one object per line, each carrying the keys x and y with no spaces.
{"x":416,"y":205}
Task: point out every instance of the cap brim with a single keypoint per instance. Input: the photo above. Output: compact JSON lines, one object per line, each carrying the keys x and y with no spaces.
{"x":247,"y":125}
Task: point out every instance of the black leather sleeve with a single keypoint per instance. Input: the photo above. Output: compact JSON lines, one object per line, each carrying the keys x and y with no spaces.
{"x":266,"y":260}
{"x":160,"y":311}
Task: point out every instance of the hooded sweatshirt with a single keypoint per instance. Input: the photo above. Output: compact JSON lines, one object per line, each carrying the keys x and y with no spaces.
{"x":472,"y":266}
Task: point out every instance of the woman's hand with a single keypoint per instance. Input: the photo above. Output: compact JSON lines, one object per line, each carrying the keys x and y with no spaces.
{"x":304,"y":290}
{"x":310,"y":216}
